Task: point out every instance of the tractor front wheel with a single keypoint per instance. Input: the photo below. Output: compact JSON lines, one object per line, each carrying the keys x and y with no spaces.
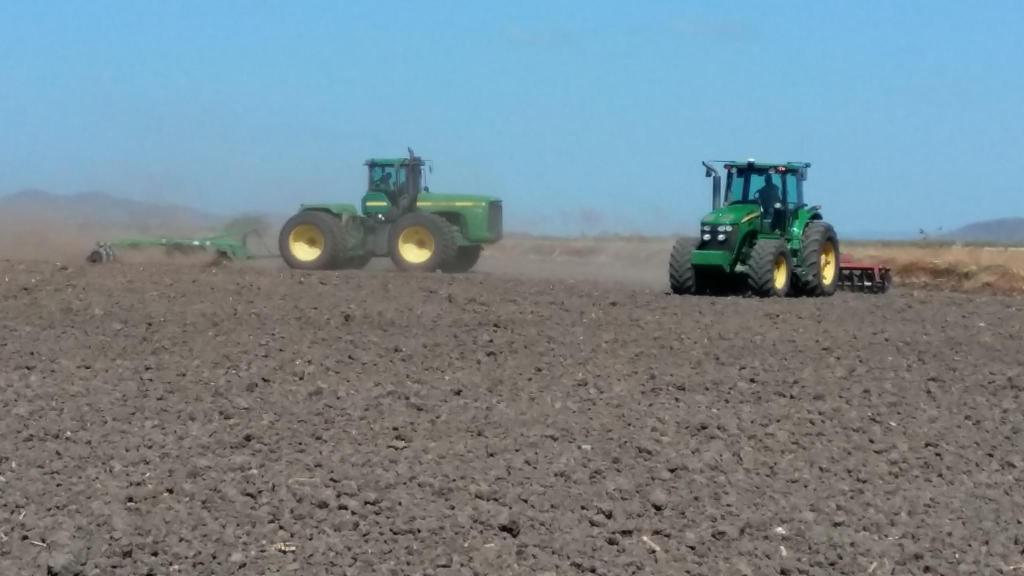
{"x":311,"y":240}
{"x":422,"y":242}
{"x":819,"y":260}
{"x":465,"y":259}
{"x":770,"y":269}
{"x":682,"y":277}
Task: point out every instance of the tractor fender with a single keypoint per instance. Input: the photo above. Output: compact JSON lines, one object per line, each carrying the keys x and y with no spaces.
{"x":743,"y":245}
{"x":339,"y":210}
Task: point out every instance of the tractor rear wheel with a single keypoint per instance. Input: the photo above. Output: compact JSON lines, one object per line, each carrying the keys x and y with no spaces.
{"x":422,"y":242}
{"x":311,"y":240}
{"x":96,"y":256}
{"x":819,"y":260}
{"x":465,"y":259}
{"x":770,"y":268}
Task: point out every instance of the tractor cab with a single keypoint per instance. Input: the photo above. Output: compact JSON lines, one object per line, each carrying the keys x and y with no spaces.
{"x":395,"y":175}
{"x":775,"y":188}
{"x":393,"y":183}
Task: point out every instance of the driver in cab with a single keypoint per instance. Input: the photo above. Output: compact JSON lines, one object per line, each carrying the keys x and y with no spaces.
{"x":768,"y":195}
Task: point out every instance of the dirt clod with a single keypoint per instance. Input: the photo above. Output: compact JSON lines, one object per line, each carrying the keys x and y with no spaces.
{"x":63,"y":564}
{"x":658,"y":498}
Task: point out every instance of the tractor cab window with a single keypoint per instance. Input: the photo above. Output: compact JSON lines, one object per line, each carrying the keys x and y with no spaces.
{"x":384,"y":178}
{"x":741,"y":186}
{"x":792,"y":198}
{"x":766,"y":189}
{"x":754,"y":187}
{"x":400,"y":179}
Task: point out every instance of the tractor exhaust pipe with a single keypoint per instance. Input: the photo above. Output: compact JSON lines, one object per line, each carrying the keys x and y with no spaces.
{"x":716,"y":185}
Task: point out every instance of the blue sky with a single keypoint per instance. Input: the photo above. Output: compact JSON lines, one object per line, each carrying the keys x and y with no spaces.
{"x":583,"y":116}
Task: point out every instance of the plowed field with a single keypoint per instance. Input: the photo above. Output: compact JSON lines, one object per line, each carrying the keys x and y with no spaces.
{"x":182,"y":419}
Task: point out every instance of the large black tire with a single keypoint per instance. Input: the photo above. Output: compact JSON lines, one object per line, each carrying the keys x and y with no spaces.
{"x":465,"y":259}
{"x":819,"y":260}
{"x":97,"y":256}
{"x":311,"y":240}
{"x":422,"y":242}
{"x":682,"y":277}
{"x":770,"y":269}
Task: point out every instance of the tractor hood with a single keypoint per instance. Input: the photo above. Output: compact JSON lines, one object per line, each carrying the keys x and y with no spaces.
{"x":437,"y":200}
{"x":732,"y":214}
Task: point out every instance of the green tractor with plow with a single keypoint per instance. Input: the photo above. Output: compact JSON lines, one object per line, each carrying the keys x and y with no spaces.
{"x":398,"y":218}
{"x":761,"y":236}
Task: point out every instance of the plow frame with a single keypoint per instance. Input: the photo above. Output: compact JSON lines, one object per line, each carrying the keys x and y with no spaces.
{"x":864,"y":277}
{"x":221,"y":246}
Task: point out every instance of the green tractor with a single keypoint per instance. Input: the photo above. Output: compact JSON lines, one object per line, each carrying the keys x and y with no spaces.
{"x":762,"y":236}
{"x":400,"y":218}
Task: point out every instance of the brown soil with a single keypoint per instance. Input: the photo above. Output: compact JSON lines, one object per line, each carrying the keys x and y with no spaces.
{"x":169,"y":419}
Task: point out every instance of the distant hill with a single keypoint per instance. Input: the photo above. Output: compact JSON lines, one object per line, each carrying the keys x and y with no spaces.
{"x":999,"y":231}
{"x":99,"y":209}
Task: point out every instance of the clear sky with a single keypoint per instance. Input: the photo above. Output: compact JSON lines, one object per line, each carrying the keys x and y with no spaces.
{"x":583,"y":116}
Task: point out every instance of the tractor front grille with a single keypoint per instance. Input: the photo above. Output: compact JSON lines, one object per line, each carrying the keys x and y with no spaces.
{"x":494,"y":220}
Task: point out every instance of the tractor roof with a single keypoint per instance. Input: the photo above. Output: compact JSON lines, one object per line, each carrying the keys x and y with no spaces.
{"x":388,"y":161}
{"x":766,"y":165}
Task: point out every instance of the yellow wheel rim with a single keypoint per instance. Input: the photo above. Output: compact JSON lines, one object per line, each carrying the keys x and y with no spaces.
{"x":780,"y":273}
{"x":306,"y":242}
{"x":828,"y":263}
{"x":415,"y":244}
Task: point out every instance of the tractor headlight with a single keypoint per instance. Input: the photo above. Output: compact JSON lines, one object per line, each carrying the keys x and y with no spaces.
{"x":721,"y":228}
{"x":721,"y":237}
{"x":706,"y":237}
{"x":706,"y":228}
{"x":728,"y":228}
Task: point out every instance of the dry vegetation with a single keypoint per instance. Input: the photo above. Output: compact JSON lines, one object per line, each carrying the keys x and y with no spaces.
{"x":993,"y":269}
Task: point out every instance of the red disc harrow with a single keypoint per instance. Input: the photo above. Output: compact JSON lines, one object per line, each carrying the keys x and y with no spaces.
{"x":855,"y":276}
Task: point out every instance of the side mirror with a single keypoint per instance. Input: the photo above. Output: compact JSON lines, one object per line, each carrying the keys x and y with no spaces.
{"x":426,"y":188}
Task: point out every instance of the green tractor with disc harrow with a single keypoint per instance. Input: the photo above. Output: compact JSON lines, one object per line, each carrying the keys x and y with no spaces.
{"x":761,"y":236}
{"x":400,"y":218}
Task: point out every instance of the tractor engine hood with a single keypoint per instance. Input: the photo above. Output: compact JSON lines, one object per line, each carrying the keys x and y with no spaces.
{"x":438,"y":200}
{"x":732,"y":214}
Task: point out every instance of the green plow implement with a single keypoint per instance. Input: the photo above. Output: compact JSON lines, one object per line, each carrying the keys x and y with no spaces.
{"x":231,"y":245}
{"x":224,"y":247}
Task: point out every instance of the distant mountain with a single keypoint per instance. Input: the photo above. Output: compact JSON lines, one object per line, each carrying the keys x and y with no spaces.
{"x":37,"y":224}
{"x":999,"y":231}
{"x":99,"y":209}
